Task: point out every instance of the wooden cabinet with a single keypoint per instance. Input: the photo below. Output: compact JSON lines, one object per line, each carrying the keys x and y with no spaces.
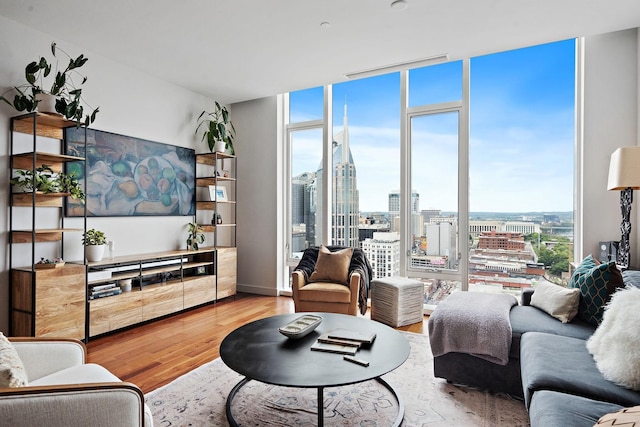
{"x":52,"y":301}
{"x":163,"y":283}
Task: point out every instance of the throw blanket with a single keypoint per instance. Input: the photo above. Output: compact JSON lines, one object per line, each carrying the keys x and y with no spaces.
{"x":474,"y":323}
{"x":359,"y":264}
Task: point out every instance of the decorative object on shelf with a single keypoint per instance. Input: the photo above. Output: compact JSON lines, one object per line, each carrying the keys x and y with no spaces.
{"x":216,"y":219}
{"x":217,"y":193}
{"x":195,"y":237}
{"x":125,"y":285}
{"x":47,"y":181}
{"x":624,"y":176}
{"x":218,"y":129}
{"x":68,"y":96}
{"x":95,"y":242}
{"x":144,"y":177}
{"x":49,"y":263}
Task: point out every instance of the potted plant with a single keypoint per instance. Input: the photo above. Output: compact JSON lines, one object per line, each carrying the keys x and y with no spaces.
{"x":94,"y":242}
{"x":218,"y":129}
{"x":66,"y":94}
{"x":195,"y":237}
{"x":45,"y":180}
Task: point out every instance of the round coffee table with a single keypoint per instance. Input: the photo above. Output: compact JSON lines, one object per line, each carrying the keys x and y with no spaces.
{"x":260,"y":352}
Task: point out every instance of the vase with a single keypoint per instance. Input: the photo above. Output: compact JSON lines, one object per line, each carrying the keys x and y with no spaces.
{"x":219,"y":146}
{"x":47,"y":103}
{"x":95,"y":252}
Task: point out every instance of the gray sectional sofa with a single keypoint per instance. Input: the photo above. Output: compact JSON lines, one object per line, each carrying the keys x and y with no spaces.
{"x":549,"y":367}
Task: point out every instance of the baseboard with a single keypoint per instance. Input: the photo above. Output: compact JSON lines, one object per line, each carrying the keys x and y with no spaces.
{"x":258,"y":290}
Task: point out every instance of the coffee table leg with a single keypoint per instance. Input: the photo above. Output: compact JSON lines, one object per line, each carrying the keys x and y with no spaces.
{"x":320,"y":406}
{"x":232,"y":393}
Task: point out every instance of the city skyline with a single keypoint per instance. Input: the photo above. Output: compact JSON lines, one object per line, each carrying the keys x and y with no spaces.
{"x":521,"y":143}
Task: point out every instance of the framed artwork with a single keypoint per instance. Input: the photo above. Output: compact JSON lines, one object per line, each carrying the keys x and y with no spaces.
{"x":217,"y":194}
{"x":128,"y":176}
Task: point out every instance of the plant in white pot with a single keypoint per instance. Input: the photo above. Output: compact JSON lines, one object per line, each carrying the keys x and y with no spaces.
{"x":218,"y":129}
{"x":94,"y":242}
{"x":60,"y":93}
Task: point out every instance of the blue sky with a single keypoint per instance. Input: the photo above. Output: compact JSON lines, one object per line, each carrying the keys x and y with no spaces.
{"x":521,"y":132}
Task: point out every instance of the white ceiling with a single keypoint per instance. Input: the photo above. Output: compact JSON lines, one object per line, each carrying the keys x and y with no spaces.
{"x":236,"y":50}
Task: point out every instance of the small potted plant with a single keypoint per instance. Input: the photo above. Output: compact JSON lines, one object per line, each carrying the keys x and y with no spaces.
{"x":94,"y":242}
{"x":218,"y":129}
{"x":64,"y":95}
{"x":46,"y":181}
{"x":195,"y":237}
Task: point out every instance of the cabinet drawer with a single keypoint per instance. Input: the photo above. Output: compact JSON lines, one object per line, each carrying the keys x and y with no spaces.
{"x":115,"y":312}
{"x":160,"y":300}
{"x":199,"y":290}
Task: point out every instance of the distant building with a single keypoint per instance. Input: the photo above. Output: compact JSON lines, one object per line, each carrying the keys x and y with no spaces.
{"x":383,"y":252}
{"x":394,"y":207}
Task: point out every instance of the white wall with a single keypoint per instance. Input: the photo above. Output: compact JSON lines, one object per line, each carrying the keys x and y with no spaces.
{"x":610,"y":121}
{"x":131,"y":104}
{"x":258,"y":148}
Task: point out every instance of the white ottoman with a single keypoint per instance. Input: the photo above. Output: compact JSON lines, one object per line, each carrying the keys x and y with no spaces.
{"x":397,"y":301}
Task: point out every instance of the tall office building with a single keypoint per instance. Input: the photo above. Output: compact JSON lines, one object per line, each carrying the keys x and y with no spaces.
{"x":346,"y":198}
{"x":394,"y":207}
{"x":383,"y":252}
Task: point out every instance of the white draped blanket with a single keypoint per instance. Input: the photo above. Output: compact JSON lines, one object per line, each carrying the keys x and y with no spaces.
{"x":473,"y":323}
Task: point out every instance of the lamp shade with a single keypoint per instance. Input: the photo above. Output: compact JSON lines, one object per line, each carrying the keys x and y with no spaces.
{"x":624,"y":169}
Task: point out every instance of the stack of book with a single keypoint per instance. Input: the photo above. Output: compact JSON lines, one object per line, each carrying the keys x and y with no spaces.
{"x":106,"y":290}
{"x":343,"y":341}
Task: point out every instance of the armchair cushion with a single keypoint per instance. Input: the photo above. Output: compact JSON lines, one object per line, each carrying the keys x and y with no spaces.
{"x":332,"y":266}
{"x":12,"y":372}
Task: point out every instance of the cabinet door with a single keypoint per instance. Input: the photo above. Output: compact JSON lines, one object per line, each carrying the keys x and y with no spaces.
{"x":160,"y":300}
{"x":227,"y":272}
{"x":59,"y":301}
{"x":199,"y":290}
{"x":115,"y":312}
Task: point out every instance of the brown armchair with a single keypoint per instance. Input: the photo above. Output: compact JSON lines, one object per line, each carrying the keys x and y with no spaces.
{"x":332,"y":279}
{"x":326,"y":296}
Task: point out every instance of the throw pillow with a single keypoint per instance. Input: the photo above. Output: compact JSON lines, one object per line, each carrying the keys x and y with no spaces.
{"x":615,"y":344}
{"x":627,"y":417}
{"x":332,"y":266}
{"x":12,"y":373}
{"x":597,"y":282}
{"x":561,"y":303}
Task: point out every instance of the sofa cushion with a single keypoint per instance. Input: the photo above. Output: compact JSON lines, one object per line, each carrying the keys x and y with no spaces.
{"x":325,"y":292}
{"x":12,"y":372}
{"x":332,"y":266}
{"x":627,"y":417}
{"x":597,"y":282}
{"x":531,"y":319}
{"x":88,"y":373}
{"x":553,"y":362}
{"x":554,"y":409}
{"x":615,"y":345}
{"x":557,"y":301}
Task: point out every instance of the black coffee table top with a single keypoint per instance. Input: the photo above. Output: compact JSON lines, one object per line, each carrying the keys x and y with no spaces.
{"x":258,"y":351}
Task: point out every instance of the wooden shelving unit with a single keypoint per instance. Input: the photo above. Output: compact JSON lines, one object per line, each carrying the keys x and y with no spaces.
{"x":42,"y":302}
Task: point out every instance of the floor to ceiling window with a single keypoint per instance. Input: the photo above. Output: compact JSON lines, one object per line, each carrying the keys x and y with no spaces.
{"x":487,"y":203}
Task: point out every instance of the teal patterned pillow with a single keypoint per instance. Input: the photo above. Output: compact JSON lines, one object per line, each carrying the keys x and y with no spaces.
{"x":597,"y":282}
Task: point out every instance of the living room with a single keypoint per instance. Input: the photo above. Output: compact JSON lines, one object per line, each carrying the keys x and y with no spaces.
{"x":145,"y":105}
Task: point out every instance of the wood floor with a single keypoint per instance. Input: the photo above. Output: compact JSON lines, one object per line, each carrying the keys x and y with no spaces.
{"x":156,"y":353}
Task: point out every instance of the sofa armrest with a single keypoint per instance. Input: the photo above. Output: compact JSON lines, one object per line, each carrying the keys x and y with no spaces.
{"x":91,"y":404}
{"x":525,"y":298}
{"x":44,"y":356}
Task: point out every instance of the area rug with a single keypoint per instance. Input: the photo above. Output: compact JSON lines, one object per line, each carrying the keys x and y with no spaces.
{"x":198,"y":398}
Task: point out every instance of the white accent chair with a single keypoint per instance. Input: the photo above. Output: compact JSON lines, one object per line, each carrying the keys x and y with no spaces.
{"x":65,"y":391}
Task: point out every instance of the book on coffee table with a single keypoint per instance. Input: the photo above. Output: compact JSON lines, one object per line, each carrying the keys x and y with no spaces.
{"x":351,"y":335}
{"x":325,"y":338}
{"x":334,"y":348}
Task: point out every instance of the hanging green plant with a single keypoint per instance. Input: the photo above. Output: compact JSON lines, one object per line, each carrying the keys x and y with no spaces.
{"x":68,"y":95}
{"x":47,"y":181}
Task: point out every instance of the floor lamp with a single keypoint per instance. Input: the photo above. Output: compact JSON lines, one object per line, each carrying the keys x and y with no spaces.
{"x":624,"y":176}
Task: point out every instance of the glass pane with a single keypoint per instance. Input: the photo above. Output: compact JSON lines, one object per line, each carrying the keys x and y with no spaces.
{"x":306,"y":162}
{"x":521,"y":167}
{"x":366,"y":167}
{"x":434,"y":179}
{"x":435,"y":84}
{"x":306,"y":105}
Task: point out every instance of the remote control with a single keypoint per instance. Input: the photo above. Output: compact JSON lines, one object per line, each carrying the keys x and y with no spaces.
{"x":356,"y":360}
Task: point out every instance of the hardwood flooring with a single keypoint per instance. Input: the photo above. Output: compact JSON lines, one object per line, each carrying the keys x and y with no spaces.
{"x":154,"y":354}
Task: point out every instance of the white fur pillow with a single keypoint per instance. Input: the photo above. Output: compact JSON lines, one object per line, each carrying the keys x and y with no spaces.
{"x":557,"y":301}
{"x":615,"y":345}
